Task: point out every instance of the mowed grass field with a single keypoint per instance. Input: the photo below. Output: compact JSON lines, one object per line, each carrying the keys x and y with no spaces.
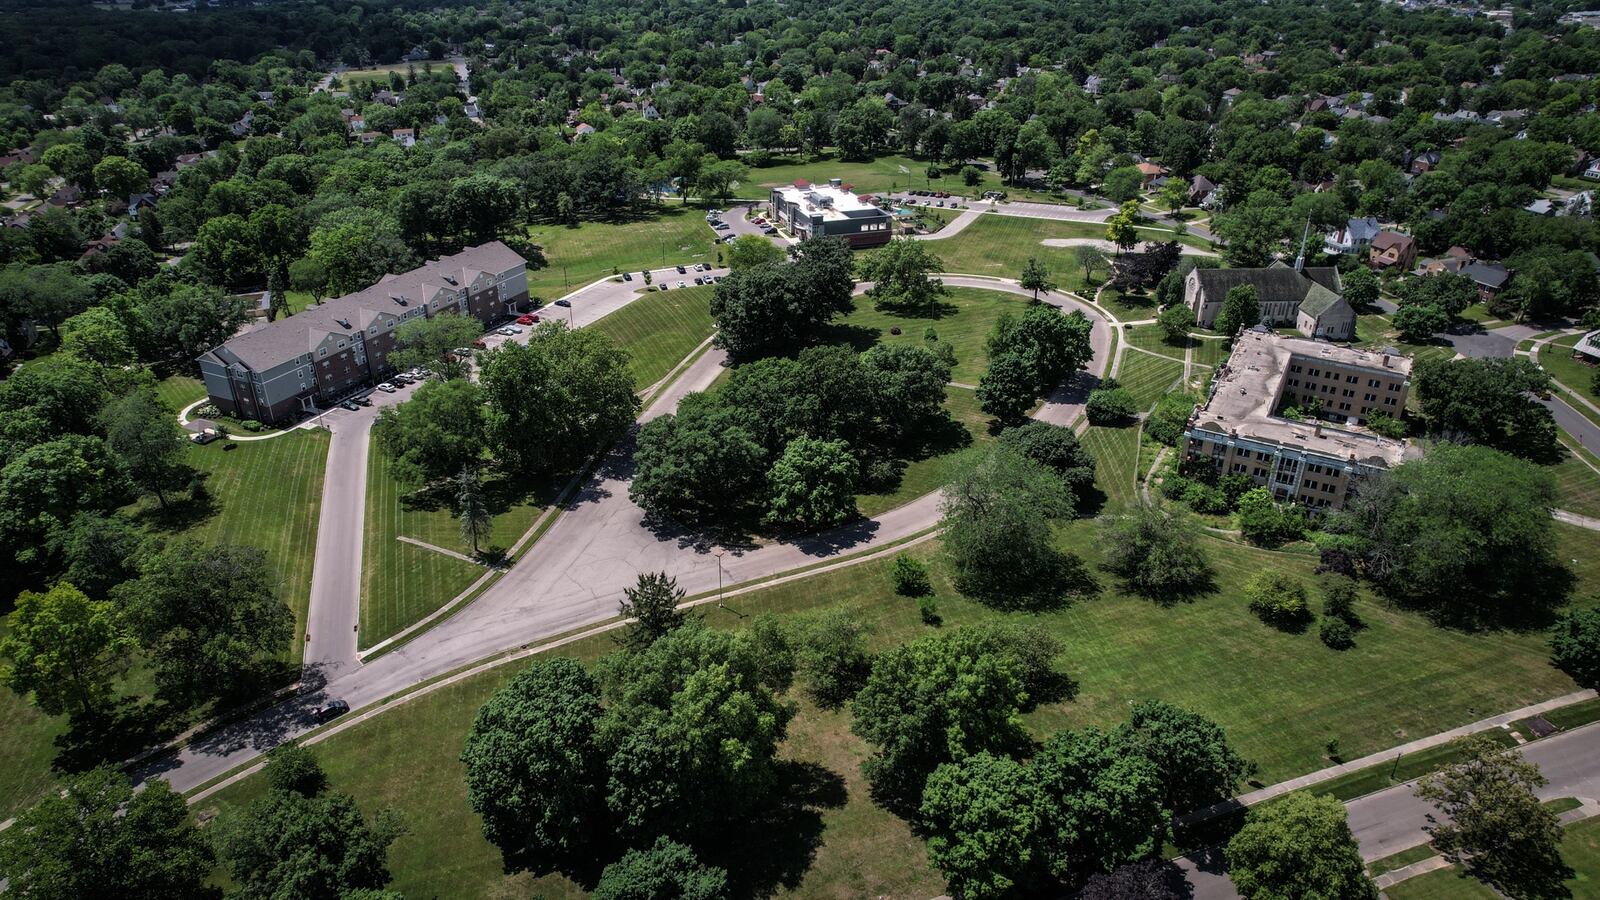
{"x":401,"y":582}
{"x":1279,"y":696}
{"x":1557,"y":359}
{"x":265,"y":494}
{"x":881,"y":175}
{"x":1147,"y":376}
{"x":1578,"y":482}
{"x":177,"y":391}
{"x":659,"y":329}
{"x":670,"y":235}
{"x":1000,"y":245}
{"x":962,"y":319}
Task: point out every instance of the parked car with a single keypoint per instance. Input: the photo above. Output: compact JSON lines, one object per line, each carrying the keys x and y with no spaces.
{"x":699,"y":280}
{"x":527,"y":319}
{"x":479,"y":344}
{"x":329,"y":711}
{"x":350,"y":405}
{"x":362,"y":400}
{"x":682,"y":270}
{"x":205,"y":436}
{"x":564,"y":303}
{"x":399,"y":379}
{"x":681,"y":284}
{"x":626,"y":276}
{"x":769,"y":231}
{"x":386,"y":387}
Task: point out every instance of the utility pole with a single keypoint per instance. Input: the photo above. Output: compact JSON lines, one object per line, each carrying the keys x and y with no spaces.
{"x":719,"y":579}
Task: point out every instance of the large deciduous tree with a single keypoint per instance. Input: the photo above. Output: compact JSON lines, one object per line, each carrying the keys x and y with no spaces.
{"x":902,"y":275}
{"x":1491,"y":818}
{"x":558,"y":398}
{"x":1156,"y":550}
{"x":145,"y":436}
{"x":1191,"y":754}
{"x":431,"y":342}
{"x":64,"y":648}
{"x":811,"y":485}
{"x":1293,"y":844}
{"x":1241,"y":308}
{"x":97,"y":837}
{"x":1575,"y":645}
{"x":437,"y":433}
{"x":996,"y":520}
{"x":772,"y":308}
{"x":666,"y":869}
{"x":1489,"y":401}
{"x":209,"y":616}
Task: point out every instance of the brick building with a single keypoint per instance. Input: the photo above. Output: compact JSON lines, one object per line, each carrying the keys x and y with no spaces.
{"x":279,"y":371}
{"x":1240,"y":427}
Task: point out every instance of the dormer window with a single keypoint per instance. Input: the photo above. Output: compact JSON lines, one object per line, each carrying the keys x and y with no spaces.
{"x":323,"y":352}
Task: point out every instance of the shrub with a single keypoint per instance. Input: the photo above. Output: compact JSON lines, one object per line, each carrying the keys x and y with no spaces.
{"x":1337,"y":634}
{"x":831,"y":657}
{"x":1385,"y":425}
{"x":208,"y":411}
{"x":251,"y":425}
{"x":1167,"y":421}
{"x":1278,"y":599}
{"x":1338,"y":599}
{"x":929,"y":609}
{"x":909,"y":577}
{"x":1263,"y":521}
{"x":1107,"y":406}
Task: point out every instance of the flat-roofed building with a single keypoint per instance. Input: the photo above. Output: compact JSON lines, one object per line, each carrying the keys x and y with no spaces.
{"x":831,"y":210}
{"x":1240,"y":430}
{"x":277,"y":372}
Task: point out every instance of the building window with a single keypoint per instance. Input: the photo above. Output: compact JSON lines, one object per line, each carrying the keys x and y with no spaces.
{"x":323,"y":352}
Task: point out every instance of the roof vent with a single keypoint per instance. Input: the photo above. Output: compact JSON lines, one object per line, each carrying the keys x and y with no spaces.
{"x":399,"y":299}
{"x":452,"y":280}
{"x":343,"y":323}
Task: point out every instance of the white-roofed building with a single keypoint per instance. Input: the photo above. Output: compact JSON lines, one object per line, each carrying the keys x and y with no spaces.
{"x":831,"y":210}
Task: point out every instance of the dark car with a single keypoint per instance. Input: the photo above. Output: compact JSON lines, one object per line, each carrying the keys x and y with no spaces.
{"x":563,"y":302}
{"x":627,"y":276}
{"x":362,"y":400}
{"x":682,"y":270}
{"x":350,"y":405}
{"x":329,"y":711}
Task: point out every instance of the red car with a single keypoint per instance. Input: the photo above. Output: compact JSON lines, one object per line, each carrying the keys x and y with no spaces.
{"x":528,"y":319}
{"x":480,"y":344}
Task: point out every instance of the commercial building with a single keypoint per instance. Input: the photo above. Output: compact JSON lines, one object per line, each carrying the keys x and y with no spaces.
{"x":1307,"y":298}
{"x":277,"y":372}
{"x":1240,"y":430}
{"x":831,"y":210}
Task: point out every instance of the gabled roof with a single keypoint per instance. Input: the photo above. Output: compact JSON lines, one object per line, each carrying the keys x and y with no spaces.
{"x":1394,"y":239}
{"x":1319,"y":300}
{"x":1273,"y":284}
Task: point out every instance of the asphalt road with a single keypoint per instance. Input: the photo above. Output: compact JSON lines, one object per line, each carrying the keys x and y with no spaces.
{"x":573,"y":576}
{"x":1389,"y":821}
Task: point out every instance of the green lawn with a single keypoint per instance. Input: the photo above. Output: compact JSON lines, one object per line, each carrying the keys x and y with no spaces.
{"x":27,"y":745}
{"x":672,"y":235}
{"x":1279,"y":696}
{"x":930,"y":473}
{"x":881,"y":175}
{"x":400,"y":582}
{"x":1116,"y":456}
{"x":962,"y":319}
{"x":660,"y":329}
{"x":1577,"y":483}
{"x":1148,"y":377}
{"x":999,"y":245}
{"x":1154,"y":339}
{"x":1128,"y":307}
{"x":266,"y":494}
{"x":1445,"y":884}
{"x":1557,"y":359}
{"x":177,"y":391}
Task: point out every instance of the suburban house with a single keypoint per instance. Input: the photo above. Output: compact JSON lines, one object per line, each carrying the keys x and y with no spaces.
{"x":1240,"y":429}
{"x":1354,"y":237}
{"x":1491,"y":278}
{"x":277,"y":372}
{"x":1391,"y":249}
{"x":1307,"y":298}
{"x":1588,"y":347}
{"x":1202,"y":191}
{"x":832,"y":210}
{"x":1149,"y":172}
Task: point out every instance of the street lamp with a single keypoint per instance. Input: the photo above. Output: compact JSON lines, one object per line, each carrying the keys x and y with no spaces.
{"x":719,"y":579}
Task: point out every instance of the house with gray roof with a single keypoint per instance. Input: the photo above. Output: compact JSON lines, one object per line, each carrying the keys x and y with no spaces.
{"x":285,"y":369}
{"x":1308,"y":298}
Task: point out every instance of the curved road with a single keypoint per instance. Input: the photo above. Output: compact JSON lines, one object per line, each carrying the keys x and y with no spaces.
{"x":574,"y":576}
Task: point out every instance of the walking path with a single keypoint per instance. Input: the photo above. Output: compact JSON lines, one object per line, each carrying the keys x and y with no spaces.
{"x":438,"y":549}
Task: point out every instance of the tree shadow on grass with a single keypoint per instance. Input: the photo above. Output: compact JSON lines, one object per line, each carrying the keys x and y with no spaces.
{"x":775,"y":848}
{"x":124,"y":730}
{"x":859,"y":338}
{"x":182,"y":513}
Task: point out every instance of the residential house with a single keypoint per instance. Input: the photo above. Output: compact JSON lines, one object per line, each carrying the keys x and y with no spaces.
{"x":1391,"y":249}
{"x":277,"y":372}
{"x":1284,"y":293}
{"x":1491,"y":278}
{"x":1354,"y":237}
{"x":1424,"y":162}
{"x":405,"y":137}
{"x":1202,"y":191}
{"x":1149,"y":172}
{"x":1541,"y":207}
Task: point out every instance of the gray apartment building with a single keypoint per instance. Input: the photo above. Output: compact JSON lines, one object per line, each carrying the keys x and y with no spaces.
{"x":1240,"y":429}
{"x":831,"y":210}
{"x":277,"y":372}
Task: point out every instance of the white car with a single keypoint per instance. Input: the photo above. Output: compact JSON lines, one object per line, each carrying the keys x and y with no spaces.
{"x":386,"y":387}
{"x":681,"y":284}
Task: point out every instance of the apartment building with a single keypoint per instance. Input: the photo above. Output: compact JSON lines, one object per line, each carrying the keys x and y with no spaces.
{"x":1309,"y":298}
{"x":279,"y":371}
{"x":1240,"y":427}
{"x":831,"y":210}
